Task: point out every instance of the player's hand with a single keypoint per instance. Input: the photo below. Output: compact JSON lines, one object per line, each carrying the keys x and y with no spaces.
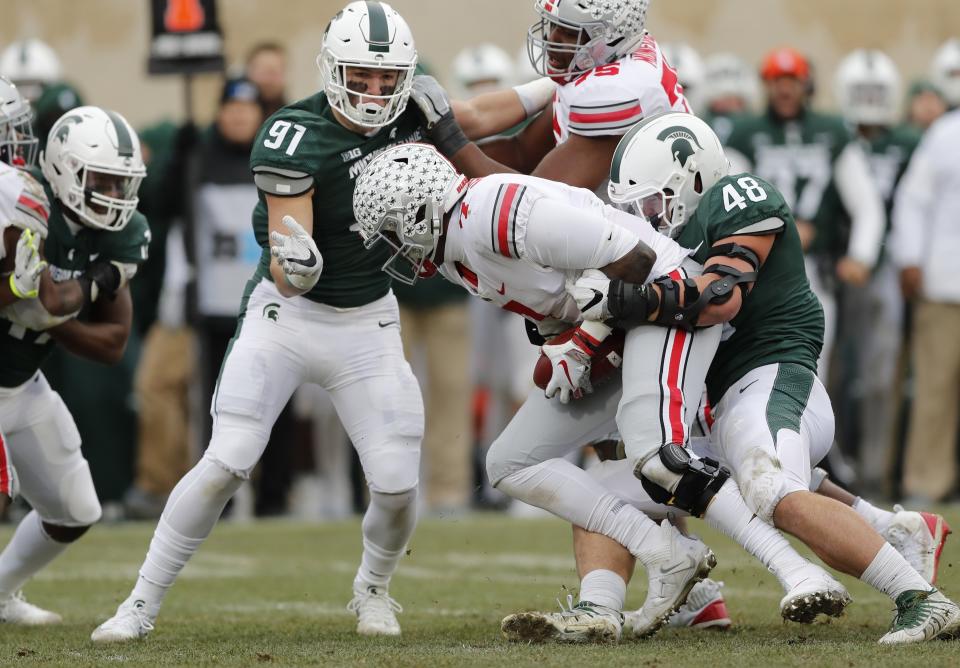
{"x":438,"y":119}
{"x":31,"y":314}
{"x":297,"y":254}
{"x":911,"y":282}
{"x":590,"y":292}
{"x":853,"y":271}
{"x":27,"y":268}
{"x":570,"y":361}
{"x":102,"y":279}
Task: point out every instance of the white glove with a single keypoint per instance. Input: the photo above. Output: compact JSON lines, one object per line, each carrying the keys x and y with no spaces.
{"x":571,"y":361}
{"x":297,"y":255}
{"x":30,"y":314}
{"x":28,"y":266}
{"x":590,"y":292}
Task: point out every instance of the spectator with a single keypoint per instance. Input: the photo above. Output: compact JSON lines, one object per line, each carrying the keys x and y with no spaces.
{"x":729,"y":89}
{"x":926,"y":244}
{"x":267,"y":68}
{"x":925,"y":104}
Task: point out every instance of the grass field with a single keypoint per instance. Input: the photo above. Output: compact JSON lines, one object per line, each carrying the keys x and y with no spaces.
{"x":274,"y":593}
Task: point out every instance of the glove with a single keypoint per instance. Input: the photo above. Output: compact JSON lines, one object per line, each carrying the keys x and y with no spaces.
{"x":297,"y":254}
{"x":590,"y":292}
{"x":27,"y":268}
{"x":571,"y":360}
{"x":30,"y":314}
{"x":101,"y":279}
{"x":434,"y":105}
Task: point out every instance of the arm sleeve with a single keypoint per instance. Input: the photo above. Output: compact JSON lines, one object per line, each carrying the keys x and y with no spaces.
{"x":562,"y":236}
{"x":863,"y":202}
{"x":911,"y":207}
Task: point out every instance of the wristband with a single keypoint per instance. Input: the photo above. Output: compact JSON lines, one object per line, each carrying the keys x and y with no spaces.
{"x":535,"y":95}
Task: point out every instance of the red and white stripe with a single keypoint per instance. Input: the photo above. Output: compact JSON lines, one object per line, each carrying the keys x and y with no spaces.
{"x":8,"y":478}
{"x":33,"y":207}
{"x":604,"y":119}
{"x":673,"y":368}
{"x":503,"y":237}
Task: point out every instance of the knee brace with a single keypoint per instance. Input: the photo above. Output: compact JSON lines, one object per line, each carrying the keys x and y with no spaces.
{"x":63,"y":534}
{"x":700,"y":479}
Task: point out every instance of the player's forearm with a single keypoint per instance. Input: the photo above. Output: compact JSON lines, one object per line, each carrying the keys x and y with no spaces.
{"x":508,"y":152}
{"x":280,"y":280}
{"x":60,"y":298}
{"x":488,"y":114}
{"x":102,"y":342}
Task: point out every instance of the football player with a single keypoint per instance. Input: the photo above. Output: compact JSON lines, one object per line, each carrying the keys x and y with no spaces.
{"x":729,"y":89}
{"x":84,"y":207}
{"x":519,"y":241}
{"x":771,"y":417}
{"x":317,"y":310}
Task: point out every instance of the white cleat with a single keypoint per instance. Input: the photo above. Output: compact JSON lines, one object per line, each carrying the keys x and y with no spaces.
{"x":704,"y":609}
{"x":131,"y":622}
{"x":670,"y":581}
{"x":584,"y":622}
{"x":16,"y":610}
{"x":920,"y":538}
{"x":815,"y":595}
{"x":376,"y":612}
{"x":921,"y":616}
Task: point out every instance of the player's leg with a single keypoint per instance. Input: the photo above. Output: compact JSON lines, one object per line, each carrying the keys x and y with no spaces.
{"x":44,"y":445}
{"x":379,"y":403}
{"x":771,"y":425}
{"x":261,"y":370}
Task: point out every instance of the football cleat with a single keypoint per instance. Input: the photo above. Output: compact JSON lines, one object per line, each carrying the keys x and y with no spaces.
{"x":670,"y":581}
{"x":922,"y":615}
{"x":16,"y":610}
{"x":131,"y":622}
{"x":813,"y":596}
{"x":704,"y":609}
{"x":920,"y":538}
{"x":376,"y":612}
{"x":584,"y":622}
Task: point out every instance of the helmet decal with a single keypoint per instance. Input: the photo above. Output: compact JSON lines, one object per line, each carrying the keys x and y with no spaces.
{"x":64,"y":130}
{"x":379,"y":32}
{"x":124,"y":143}
{"x":681,"y":147}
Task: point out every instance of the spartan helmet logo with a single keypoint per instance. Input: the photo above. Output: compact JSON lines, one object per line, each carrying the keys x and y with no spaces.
{"x":683,"y":140}
{"x":64,"y":130}
{"x":272,"y":311}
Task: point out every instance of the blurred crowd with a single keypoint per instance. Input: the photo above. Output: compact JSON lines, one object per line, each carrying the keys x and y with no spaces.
{"x":880,"y":244}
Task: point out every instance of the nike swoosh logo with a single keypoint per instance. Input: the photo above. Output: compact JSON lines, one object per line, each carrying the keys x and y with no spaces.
{"x":747,"y":385}
{"x":309,"y":261}
{"x":563,"y":365}
{"x":597,"y":297}
{"x":387,"y":324}
{"x":676,"y":568}
{"x":502,"y":290}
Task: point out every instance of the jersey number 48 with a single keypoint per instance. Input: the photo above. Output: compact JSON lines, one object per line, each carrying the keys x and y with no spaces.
{"x":753,"y":190}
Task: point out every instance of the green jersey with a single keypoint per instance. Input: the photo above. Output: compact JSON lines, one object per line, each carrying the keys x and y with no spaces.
{"x":780,"y":319}
{"x":68,"y":254}
{"x":888,"y":154}
{"x":305,"y":143}
{"x":798,"y":156}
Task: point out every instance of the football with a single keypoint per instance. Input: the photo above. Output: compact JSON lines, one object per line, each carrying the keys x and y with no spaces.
{"x":606,"y":363}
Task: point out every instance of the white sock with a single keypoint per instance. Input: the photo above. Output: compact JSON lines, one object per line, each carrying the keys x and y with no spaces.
{"x":387,"y":526}
{"x":192,"y":510}
{"x":890,"y":573}
{"x":729,"y":514}
{"x":28,"y":551}
{"x":574,"y":495}
{"x":603,"y":587}
{"x":878,"y":518}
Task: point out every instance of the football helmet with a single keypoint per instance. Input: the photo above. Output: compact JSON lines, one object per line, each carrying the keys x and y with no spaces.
{"x":607,"y":30}
{"x":945,"y":70}
{"x":401,"y":198}
{"x":662,"y":167}
{"x":689,"y":66}
{"x":31,"y":64}
{"x":367,"y":35}
{"x":868,"y":88}
{"x":785,"y":62}
{"x":726,"y":75}
{"x":482,"y":66}
{"x":93,"y":163}
{"x":18,"y":145}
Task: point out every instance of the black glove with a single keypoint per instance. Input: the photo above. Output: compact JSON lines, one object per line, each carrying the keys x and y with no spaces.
{"x":101,"y":279}
{"x":438,"y":121}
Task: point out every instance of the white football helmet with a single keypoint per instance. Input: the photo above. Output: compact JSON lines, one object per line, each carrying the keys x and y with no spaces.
{"x":662,"y":167}
{"x":945,"y":70}
{"x":401,"y":198}
{"x":726,"y":75}
{"x":367,"y":35}
{"x":689,"y":66}
{"x":868,"y":88}
{"x":480,"y":67}
{"x":93,"y":163}
{"x":31,"y":64}
{"x":18,"y":145}
{"x":608,"y":30}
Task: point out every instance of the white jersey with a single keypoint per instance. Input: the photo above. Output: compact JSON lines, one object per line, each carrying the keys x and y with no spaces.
{"x":23,"y":203}
{"x":518,"y":240}
{"x":610,"y":99}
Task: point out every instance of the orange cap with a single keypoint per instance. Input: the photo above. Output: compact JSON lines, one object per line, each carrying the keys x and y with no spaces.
{"x":785,"y":62}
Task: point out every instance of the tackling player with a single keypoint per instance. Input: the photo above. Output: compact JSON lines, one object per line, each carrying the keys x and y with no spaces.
{"x":85,"y":207}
